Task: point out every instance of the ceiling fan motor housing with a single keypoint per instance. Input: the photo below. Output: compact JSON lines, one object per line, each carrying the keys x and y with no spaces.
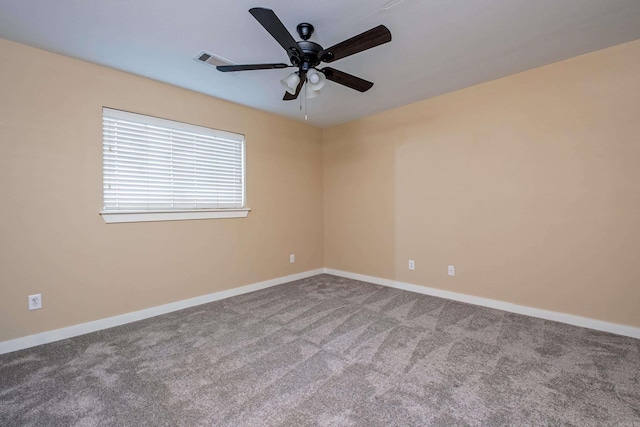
{"x":309,"y":49}
{"x":310,"y":52}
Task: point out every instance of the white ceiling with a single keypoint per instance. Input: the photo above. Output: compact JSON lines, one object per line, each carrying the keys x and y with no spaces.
{"x":438,"y":45}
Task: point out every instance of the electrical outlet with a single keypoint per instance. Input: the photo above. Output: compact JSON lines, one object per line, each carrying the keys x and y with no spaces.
{"x":452,"y":270}
{"x":412,"y":265}
{"x":35,"y":301}
{"x":292,"y":258}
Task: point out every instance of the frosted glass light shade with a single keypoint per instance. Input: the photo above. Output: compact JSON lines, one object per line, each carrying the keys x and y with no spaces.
{"x":315,"y":80}
{"x":290,"y":83}
{"x":310,"y":92}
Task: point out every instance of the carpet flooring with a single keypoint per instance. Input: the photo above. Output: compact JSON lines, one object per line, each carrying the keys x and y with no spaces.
{"x":327,"y":351}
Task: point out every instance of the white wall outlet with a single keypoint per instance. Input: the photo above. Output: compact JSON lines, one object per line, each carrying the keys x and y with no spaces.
{"x":292,"y":258}
{"x":412,"y":265}
{"x":35,"y":301}
{"x":452,"y":270}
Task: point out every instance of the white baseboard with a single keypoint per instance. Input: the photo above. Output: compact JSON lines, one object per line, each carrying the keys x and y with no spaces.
{"x":570,"y":319}
{"x":110,"y":322}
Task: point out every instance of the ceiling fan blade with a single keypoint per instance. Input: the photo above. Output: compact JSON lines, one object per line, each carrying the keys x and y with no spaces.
{"x":248,"y":67}
{"x":287,"y":96}
{"x":346,"y":79}
{"x":372,"y":38}
{"x":268,"y":19}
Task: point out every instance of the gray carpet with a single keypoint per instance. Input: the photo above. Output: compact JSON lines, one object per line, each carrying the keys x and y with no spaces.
{"x":328,"y":351}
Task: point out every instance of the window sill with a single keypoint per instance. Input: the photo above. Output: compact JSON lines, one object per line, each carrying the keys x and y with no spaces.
{"x":113,"y":217}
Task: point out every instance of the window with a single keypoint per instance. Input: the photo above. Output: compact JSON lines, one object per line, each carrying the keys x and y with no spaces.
{"x":156,"y":170}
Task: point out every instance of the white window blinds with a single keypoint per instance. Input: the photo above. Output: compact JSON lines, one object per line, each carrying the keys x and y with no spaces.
{"x":154,"y":165}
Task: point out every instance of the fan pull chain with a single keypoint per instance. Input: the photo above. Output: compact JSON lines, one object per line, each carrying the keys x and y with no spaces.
{"x":303,"y":94}
{"x":304,"y":91}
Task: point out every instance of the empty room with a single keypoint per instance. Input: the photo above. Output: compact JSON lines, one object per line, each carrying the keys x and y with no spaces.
{"x":314,"y":213}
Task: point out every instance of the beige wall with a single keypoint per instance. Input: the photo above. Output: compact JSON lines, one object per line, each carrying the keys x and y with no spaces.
{"x":52,"y":240}
{"x":529,"y":185}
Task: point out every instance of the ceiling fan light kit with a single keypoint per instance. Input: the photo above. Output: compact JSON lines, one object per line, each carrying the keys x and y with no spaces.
{"x":307,"y":55}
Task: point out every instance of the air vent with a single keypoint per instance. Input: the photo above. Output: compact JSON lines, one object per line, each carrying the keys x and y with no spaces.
{"x":211,"y":59}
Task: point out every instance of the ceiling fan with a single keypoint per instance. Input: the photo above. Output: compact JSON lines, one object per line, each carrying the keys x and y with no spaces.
{"x":307,"y":55}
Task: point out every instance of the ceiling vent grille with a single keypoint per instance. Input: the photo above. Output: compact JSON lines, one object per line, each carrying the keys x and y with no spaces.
{"x":211,"y":59}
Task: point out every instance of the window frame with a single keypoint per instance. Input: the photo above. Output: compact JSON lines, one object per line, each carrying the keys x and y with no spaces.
{"x":124,"y":216}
